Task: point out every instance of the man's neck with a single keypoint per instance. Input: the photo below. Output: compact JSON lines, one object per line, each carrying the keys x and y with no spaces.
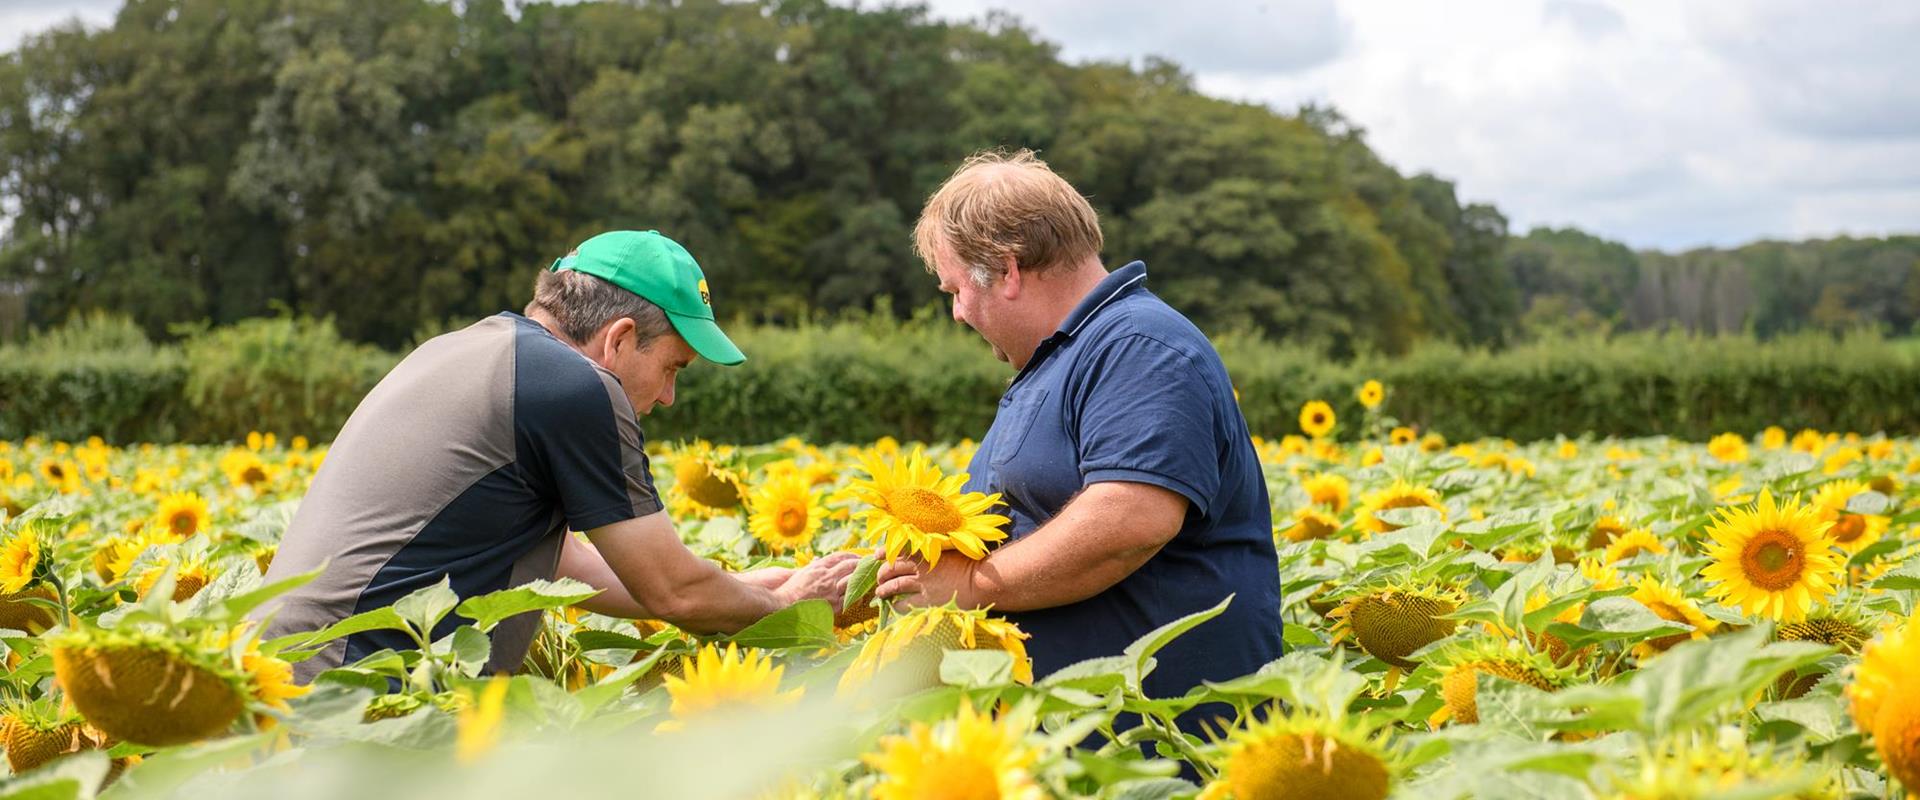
{"x":1063,"y":293}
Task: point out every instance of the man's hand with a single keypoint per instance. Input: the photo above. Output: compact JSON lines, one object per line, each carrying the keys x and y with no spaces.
{"x":826,"y":578}
{"x":909,"y":581}
{"x":768,"y":578}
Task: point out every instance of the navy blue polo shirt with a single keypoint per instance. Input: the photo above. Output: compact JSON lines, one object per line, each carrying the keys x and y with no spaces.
{"x":1129,"y":390}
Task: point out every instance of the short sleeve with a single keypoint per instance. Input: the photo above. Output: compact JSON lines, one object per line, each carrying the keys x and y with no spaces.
{"x":583,"y":439}
{"x":1145,"y":414}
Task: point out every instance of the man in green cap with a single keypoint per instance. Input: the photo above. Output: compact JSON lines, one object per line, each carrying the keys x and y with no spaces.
{"x":477,"y":454}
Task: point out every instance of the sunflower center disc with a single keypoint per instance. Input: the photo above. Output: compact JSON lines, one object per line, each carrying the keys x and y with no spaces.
{"x":924,"y":509}
{"x":792,"y":520}
{"x":1849,"y":528}
{"x":1772,"y":561}
{"x":182,"y":525}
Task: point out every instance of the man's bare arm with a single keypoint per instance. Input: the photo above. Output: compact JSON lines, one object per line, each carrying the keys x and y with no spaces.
{"x":663,"y":579}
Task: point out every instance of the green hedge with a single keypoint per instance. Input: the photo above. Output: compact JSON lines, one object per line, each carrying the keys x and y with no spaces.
{"x":929,"y":379}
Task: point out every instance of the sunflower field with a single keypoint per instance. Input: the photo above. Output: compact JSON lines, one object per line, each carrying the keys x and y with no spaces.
{"x":1614,"y":618}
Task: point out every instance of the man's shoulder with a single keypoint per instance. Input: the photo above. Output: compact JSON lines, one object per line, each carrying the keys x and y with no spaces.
{"x":1143,"y":316}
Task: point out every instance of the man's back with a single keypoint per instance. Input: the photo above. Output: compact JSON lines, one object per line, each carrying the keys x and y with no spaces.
{"x":468,"y":461}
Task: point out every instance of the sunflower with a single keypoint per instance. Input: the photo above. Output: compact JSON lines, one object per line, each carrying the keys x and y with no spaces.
{"x":1400,"y":495}
{"x":1667,"y":602}
{"x":1772,"y":560}
{"x":1843,"y":629}
{"x":1853,"y":532}
{"x":968,"y":755}
{"x":269,"y":679}
{"x":785,"y":513}
{"x":190,"y":576}
{"x":1328,"y":489}
{"x":1507,"y":660}
{"x":243,"y":468}
{"x":1370,"y":394}
{"x":146,"y":688}
{"x":1302,"y":756}
{"x":1316,"y":419}
{"x":1391,"y":623}
{"x":913,"y":644}
{"x":1638,"y":541}
{"x":1773,"y":438}
{"x":914,"y":509}
{"x":1703,"y":767}
{"x":181,"y":515}
{"x":1402,"y":435}
{"x":1809,"y":441}
{"x":1311,"y":523}
{"x":1728,"y":448}
{"x":19,"y":561}
{"x":701,"y":474}
{"x":1604,"y":531}
{"x":732,"y":679}
{"x":1602,"y":575}
{"x":1885,"y":700}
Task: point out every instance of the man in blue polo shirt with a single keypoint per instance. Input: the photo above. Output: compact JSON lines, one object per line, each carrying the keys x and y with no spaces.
{"x":1133,"y":486}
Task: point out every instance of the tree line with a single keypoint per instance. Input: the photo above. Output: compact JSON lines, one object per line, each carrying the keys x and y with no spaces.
{"x":408,"y":165}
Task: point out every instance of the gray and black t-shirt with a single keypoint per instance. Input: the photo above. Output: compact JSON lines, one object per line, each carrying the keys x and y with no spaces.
{"x":470,"y":460}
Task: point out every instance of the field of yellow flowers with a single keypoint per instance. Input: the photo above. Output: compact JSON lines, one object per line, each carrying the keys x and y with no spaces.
{"x":1571,"y":618}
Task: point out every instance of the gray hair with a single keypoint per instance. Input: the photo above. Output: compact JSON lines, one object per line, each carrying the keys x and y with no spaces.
{"x":582,"y":304}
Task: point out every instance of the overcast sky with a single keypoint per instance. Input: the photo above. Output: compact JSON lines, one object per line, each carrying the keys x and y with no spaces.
{"x":1659,"y":123}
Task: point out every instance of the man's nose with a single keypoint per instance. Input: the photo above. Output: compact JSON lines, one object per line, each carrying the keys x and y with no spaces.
{"x":666,"y":397}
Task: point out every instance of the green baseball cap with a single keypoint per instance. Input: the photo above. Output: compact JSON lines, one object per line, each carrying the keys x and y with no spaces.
{"x":664,"y":273}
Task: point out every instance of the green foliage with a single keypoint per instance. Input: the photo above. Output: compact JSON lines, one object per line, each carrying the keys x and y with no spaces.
{"x":930,"y":379}
{"x":96,"y":375}
{"x":293,"y":376}
{"x":207,"y":159}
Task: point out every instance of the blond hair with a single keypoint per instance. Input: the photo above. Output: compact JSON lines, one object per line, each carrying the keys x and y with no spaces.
{"x":999,"y":205}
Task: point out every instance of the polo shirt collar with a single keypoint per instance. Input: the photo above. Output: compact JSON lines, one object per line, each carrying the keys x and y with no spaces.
{"x":1110,"y":288}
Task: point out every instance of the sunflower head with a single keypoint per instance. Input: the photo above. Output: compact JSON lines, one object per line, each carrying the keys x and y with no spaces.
{"x":1728,"y":448}
{"x":1852,"y":532}
{"x":1636,"y":542}
{"x":914,"y":509}
{"x":1311,"y":523}
{"x":20,"y":560}
{"x":1371,"y":394}
{"x":1402,"y":435}
{"x":181,"y":515}
{"x":1843,"y":628}
{"x":1886,"y":701}
{"x":1390,"y":623}
{"x":245,"y":469}
{"x":970,"y":754}
{"x":1667,"y":602}
{"x":701,"y":474}
{"x":1399,"y":495}
{"x":1505,"y":659}
{"x":784,"y":513}
{"x":1604,"y":531}
{"x":1316,"y":419}
{"x":1774,"y":560}
{"x":1300,"y":755}
{"x":147,"y":688}
{"x":1699,"y":767}
{"x":910,"y":647}
{"x":1328,"y":489}
{"x":713,"y":679}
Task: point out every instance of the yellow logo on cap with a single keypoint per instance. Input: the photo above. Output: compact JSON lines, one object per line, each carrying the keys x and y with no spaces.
{"x":704,"y":297}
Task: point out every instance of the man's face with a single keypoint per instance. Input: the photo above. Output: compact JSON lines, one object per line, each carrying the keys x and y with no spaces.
{"x":647,"y":373}
{"x":984,"y":309}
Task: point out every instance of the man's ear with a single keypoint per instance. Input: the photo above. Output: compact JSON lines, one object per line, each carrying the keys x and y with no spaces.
{"x":1011,"y":280}
{"x":615,"y":337}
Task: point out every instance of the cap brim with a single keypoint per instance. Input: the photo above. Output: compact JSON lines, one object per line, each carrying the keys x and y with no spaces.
{"x":706,"y":339}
